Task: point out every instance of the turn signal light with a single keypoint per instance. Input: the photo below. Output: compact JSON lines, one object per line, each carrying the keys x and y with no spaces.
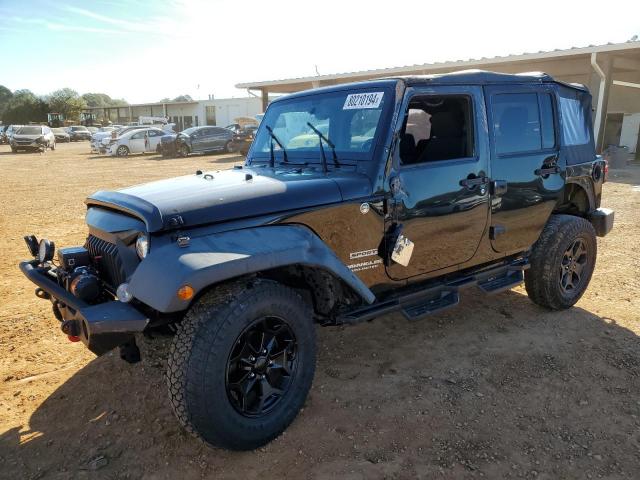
{"x":185,"y":292}
{"x":73,"y":338}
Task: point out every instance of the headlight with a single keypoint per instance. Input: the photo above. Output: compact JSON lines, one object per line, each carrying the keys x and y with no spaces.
{"x":46,"y":249}
{"x":142,"y":246}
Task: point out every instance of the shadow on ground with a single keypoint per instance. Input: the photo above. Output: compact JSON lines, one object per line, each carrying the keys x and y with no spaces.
{"x":497,"y":386}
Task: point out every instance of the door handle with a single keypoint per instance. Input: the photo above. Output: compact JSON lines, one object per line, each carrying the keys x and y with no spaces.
{"x":473,"y":182}
{"x":547,"y":170}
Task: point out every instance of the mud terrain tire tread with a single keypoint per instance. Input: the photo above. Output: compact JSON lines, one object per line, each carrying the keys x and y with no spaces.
{"x":541,"y":280}
{"x":211,"y":322}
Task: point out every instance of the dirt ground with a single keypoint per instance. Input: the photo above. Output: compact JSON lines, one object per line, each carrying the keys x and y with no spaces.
{"x":495,"y":388}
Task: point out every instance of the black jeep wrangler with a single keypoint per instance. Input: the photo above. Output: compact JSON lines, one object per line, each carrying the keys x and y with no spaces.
{"x":355,"y":201}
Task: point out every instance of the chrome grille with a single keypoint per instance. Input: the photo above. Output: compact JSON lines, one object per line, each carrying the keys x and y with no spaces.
{"x":106,"y":260}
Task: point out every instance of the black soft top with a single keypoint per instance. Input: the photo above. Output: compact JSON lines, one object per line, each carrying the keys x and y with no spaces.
{"x":483,"y":77}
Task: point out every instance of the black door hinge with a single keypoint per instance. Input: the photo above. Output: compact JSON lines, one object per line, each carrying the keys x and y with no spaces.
{"x":176,"y":221}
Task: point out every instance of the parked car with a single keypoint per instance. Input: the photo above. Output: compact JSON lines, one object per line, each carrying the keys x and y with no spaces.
{"x":3,"y":138}
{"x":78,"y":132}
{"x":242,"y":140}
{"x":100,"y":141}
{"x":143,"y":140}
{"x":61,"y":135}
{"x":33,"y":137}
{"x":197,"y":140}
{"x":242,"y":264}
{"x":9,"y":131}
{"x":93,"y":130}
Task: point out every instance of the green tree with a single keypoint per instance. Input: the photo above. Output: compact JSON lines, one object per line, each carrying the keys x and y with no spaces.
{"x":5,"y":97}
{"x":67,"y":102}
{"x":103,"y":100}
{"x":24,"y":107}
{"x":181,"y":98}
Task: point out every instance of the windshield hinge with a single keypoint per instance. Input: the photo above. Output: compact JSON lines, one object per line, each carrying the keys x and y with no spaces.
{"x":176,"y":221}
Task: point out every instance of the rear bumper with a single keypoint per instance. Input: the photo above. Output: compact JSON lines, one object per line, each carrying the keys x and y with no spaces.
{"x":101,"y":327}
{"x":602,"y":220}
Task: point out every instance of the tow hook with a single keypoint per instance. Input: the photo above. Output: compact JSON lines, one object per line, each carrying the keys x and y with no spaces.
{"x":71,"y":328}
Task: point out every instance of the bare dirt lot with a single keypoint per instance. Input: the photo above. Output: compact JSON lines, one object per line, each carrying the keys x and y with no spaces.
{"x":495,"y":388}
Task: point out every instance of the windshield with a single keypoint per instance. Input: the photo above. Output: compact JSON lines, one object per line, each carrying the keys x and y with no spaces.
{"x":350,"y":119}
{"x":29,"y":131}
{"x":58,"y":130}
{"x":79,"y":129}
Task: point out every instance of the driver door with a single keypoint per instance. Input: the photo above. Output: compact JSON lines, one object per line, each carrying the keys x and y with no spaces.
{"x":440,"y":194}
{"x":136,"y":142}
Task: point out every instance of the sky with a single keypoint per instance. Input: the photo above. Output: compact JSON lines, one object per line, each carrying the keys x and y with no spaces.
{"x":143,"y":51}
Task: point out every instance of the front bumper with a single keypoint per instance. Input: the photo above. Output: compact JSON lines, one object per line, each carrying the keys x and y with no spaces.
{"x":602,"y":220}
{"x":27,"y":146}
{"x":101,"y":327}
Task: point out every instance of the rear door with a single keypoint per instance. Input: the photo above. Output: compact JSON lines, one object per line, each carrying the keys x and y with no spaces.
{"x":525,"y":158}
{"x":220,"y":137}
{"x":154,"y":140}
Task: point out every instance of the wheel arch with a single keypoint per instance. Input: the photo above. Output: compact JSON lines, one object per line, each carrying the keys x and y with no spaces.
{"x":292,"y":254}
{"x":577,"y":199}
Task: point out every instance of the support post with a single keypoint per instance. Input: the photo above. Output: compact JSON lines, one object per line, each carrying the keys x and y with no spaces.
{"x":602,"y":77}
{"x":265,"y":99}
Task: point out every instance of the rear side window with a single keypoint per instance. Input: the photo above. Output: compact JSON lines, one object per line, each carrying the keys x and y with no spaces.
{"x":523,"y":122}
{"x":575,"y":126}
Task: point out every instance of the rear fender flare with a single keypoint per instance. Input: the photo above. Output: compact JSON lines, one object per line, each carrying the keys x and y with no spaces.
{"x":215,"y":258}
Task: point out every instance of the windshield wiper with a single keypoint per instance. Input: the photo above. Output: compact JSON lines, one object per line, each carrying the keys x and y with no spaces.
{"x":272,"y":161}
{"x":333,"y":148}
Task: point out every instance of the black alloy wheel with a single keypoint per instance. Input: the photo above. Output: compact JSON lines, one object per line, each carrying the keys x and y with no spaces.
{"x":572,"y":266}
{"x":261,"y":366}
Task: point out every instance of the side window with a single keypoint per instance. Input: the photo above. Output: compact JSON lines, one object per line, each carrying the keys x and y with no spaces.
{"x":154,"y":133}
{"x":523,"y":122}
{"x":137,"y":135}
{"x":437,"y":127}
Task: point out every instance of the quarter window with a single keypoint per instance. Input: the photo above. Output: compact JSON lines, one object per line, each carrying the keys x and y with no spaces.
{"x":523,"y":122}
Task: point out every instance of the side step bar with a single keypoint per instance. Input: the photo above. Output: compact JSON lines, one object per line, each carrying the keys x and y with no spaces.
{"x":435,"y":298}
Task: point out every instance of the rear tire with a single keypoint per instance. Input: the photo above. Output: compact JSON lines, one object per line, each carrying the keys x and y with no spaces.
{"x":217,"y":391}
{"x":562,"y":262}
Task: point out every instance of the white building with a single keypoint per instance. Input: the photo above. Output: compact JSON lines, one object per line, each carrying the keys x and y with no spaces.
{"x":221,"y":112}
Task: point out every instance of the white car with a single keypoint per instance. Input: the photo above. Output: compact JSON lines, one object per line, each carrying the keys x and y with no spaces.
{"x":136,"y":141}
{"x":100,"y":141}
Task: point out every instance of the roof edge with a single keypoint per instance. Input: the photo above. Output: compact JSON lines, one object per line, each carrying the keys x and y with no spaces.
{"x":449,"y":64}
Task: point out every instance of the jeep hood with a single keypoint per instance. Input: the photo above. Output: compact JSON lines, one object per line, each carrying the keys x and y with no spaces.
{"x":228,"y":195}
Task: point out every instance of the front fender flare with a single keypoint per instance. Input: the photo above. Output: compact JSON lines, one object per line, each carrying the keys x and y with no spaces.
{"x":215,"y":258}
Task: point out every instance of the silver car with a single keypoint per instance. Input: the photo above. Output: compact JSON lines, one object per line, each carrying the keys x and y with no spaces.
{"x":33,"y":137}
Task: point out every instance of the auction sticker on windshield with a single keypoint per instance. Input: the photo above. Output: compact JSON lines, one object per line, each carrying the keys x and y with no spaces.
{"x":363,"y":100}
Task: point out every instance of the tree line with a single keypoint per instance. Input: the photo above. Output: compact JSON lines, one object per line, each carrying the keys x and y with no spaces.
{"x":23,"y":106}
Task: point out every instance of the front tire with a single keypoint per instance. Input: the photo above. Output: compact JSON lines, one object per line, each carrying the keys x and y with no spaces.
{"x":122,"y":151}
{"x":184,"y":150}
{"x":562,"y":262}
{"x":241,"y":365}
